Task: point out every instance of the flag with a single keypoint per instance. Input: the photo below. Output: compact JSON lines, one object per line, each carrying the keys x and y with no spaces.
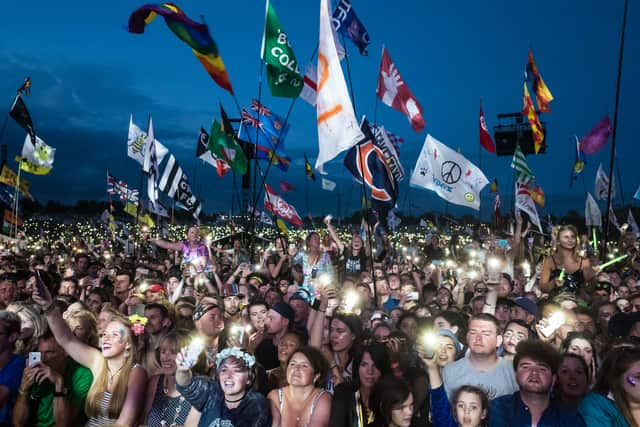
{"x":156,"y":209}
{"x":7,"y":196}
{"x":338,"y":129}
{"x":494,"y":186}
{"x":9,"y":177}
{"x":283,"y":73}
{"x":150,"y":166}
{"x":136,"y":144}
{"x":602,"y":185}
{"x":597,"y":137}
{"x":449,"y":174}
{"x":310,"y":87}
{"x":367,"y":163}
{"x":578,"y":165}
{"x":328,"y":184}
{"x":537,"y":195}
{"x":636,"y":195}
{"x":533,"y":76}
{"x":525,"y":203}
{"x":285,"y":186}
{"x":519,"y":163}
{"x":308,"y":170}
{"x":529,"y":111}
{"x":592,"y":214}
{"x":347,"y":23}
{"x":278,"y":206}
{"x":496,"y":210}
{"x":485,"y":139}
{"x":143,"y":217}
{"x":265,"y":218}
{"x":393,"y":221}
{"x":223,"y":144}
{"x":382,"y":141}
{"x":613,"y":219}
{"x":267,"y":138}
{"x":633,"y":224}
{"x":21,"y":115}
{"x":396,"y":140}
{"x":175,"y":184}
{"x":11,"y":218}
{"x":25,"y":87}
{"x":282,"y":226}
{"x":36,"y":159}
{"x":393,"y":91}
{"x":116,"y":186}
{"x":194,"y":34}
{"x":203,"y":153}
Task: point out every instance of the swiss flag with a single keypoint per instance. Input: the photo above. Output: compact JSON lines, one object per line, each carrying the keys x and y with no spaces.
{"x":393,"y":91}
{"x":277,"y":205}
{"x":485,"y":138}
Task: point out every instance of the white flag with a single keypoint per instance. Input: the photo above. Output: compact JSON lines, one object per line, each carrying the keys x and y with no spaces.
{"x":633,"y":224}
{"x":338,"y":128}
{"x":592,"y":213}
{"x":150,"y":165}
{"x":613,"y":219}
{"x":449,"y":174}
{"x":525,"y":203}
{"x":136,"y":144}
{"x":328,"y":185}
{"x":40,"y":155}
{"x":602,"y":185}
{"x":310,"y":84}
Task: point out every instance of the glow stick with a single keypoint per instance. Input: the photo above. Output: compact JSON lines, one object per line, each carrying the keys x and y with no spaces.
{"x":561,"y":276}
{"x":594,"y":242}
{"x":613,"y":261}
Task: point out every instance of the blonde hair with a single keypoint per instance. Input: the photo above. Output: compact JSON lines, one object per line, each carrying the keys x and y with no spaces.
{"x":555,"y":234}
{"x":32,"y":313}
{"x":88,"y":321}
{"x":100,"y":385}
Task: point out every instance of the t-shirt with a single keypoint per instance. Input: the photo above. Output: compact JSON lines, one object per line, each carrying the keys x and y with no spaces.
{"x":499,"y":381}
{"x":352,"y":265}
{"x":10,"y":377}
{"x":77,"y":380}
{"x":267,"y":354}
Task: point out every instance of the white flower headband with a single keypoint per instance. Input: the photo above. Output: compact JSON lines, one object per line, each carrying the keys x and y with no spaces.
{"x":248,"y":359}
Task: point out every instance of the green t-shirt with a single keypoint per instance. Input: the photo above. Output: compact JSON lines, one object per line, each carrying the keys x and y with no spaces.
{"x":77,"y":380}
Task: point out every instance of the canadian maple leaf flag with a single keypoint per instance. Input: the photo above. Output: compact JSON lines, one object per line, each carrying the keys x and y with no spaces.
{"x":394,"y":92}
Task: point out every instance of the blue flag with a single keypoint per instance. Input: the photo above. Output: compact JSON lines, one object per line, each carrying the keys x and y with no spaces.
{"x":347,"y":23}
{"x":263,"y":132}
{"x":367,"y":163}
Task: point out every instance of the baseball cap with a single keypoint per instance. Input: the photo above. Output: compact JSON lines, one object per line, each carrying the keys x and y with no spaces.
{"x":201,"y":310}
{"x":454,"y":338}
{"x":530,"y":306}
{"x":284,"y":310}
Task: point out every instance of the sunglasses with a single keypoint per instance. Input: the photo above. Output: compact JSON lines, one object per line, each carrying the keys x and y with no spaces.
{"x":481,"y":290}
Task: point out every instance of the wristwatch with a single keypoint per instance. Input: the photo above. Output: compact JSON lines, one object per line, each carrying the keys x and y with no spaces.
{"x":63,"y":393}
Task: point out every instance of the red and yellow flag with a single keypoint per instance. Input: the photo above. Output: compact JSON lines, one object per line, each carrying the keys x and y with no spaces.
{"x":543,"y":94}
{"x":529,"y":110}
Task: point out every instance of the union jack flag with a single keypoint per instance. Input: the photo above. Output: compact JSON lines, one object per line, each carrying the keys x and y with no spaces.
{"x":261,"y":109}
{"x":115,"y":186}
{"x":251,"y":121}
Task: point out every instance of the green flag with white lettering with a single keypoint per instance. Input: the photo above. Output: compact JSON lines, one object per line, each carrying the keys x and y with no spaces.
{"x":283,"y":74}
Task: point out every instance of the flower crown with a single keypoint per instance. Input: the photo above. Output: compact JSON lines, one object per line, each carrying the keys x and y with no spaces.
{"x":137,"y":324}
{"x":248,"y":359}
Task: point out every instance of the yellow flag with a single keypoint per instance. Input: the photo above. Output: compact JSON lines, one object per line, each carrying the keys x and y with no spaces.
{"x":9,"y":177}
{"x":282,"y":226}
{"x":29,"y":167}
{"x":145,"y":219}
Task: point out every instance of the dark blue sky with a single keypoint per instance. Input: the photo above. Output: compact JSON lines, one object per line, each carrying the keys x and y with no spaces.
{"x":89,"y":74}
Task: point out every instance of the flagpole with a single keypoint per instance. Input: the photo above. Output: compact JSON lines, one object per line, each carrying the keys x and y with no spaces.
{"x":346,"y":58}
{"x":135,"y":226}
{"x":615,"y":126}
{"x":16,"y":204}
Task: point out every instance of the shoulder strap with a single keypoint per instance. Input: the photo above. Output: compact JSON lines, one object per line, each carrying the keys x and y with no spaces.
{"x":280,"y":399}
{"x":314,"y":402}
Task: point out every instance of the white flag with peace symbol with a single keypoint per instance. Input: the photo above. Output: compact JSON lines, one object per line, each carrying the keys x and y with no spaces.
{"x":449,"y":174}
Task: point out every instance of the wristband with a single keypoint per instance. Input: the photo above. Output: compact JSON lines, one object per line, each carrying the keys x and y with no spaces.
{"x":316,"y":305}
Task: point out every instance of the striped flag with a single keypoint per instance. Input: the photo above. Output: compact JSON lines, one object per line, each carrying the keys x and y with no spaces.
{"x":174,"y":182}
{"x":519,"y":163}
{"x":150,"y":165}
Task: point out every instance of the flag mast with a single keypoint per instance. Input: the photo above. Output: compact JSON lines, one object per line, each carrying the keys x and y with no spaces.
{"x":615,"y":125}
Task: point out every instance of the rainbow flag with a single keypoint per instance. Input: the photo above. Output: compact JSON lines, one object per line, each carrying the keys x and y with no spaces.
{"x":194,"y":34}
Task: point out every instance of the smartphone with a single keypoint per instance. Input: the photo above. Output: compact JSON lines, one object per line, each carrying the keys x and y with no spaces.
{"x":412,"y":296}
{"x":35,"y":357}
{"x":503,"y":243}
{"x":39,"y":284}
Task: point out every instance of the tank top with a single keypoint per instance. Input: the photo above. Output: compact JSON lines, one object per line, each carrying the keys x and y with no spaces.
{"x":572,"y":281}
{"x":172,"y":410}
{"x":314,"y":402}
{"x":102,"y":419}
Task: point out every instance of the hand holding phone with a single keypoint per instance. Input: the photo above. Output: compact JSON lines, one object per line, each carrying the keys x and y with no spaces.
{"x":34,"y":358}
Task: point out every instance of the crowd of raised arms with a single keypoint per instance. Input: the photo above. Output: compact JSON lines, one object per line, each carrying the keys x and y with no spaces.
{"x":350,"y":328}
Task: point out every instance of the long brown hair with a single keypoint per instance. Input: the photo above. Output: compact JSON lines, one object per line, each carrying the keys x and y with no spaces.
{"x":611,"y":377}
{"x":100,"y":384}
{"x":556,"y":238}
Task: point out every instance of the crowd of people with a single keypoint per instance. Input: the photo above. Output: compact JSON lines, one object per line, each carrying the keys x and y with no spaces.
{"x":353,"y":327}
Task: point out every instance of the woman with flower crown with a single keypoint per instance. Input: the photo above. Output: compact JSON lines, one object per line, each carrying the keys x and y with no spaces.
{"x":117,"y":391}
{"x":227,"y":400}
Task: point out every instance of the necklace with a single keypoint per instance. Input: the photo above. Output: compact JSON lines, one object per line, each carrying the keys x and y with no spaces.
{"x":111,"y":376}
{"x":234,"y":401}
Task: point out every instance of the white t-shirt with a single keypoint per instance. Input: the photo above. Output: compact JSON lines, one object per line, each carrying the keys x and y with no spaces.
{"x":499,"y":381}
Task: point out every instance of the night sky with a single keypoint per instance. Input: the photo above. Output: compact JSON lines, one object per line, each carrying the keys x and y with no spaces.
{"x":89,"y":74}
